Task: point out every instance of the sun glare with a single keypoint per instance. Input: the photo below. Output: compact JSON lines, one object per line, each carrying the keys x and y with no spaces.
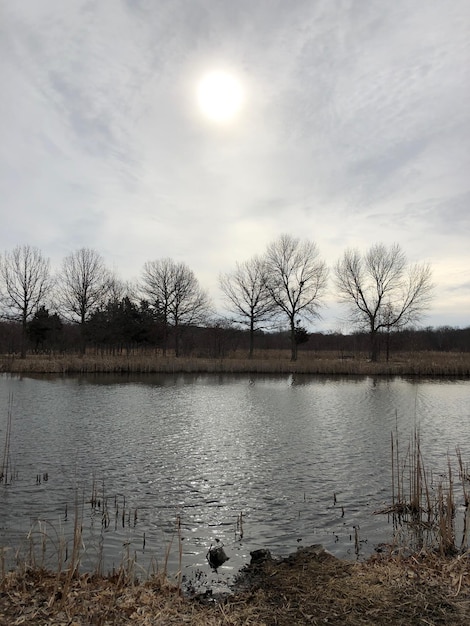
{"x":220,"y":96}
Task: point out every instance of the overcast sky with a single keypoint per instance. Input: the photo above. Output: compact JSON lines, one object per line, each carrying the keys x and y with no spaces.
{"x":354,"y":130}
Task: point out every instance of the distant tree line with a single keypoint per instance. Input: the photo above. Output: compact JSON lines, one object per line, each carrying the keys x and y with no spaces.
{"x":269,"y":300}
{"x":47,"y":334}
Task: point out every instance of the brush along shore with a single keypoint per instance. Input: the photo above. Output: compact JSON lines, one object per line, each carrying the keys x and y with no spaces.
{"x":265,"y":362}
{"x":308,"y":587}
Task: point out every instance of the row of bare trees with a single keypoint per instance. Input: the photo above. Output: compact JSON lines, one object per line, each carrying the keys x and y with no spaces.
{"x":381,"y":291}
{"x":84,"y":286}
{"x":289,"y":280}
{"x":26,"y":284}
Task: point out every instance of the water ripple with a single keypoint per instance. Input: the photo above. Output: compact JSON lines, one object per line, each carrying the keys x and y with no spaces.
{"x":302,"y":460}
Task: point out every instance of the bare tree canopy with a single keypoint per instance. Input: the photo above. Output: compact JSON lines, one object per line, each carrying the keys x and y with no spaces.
{"x":247,"y":296}
{"x":83,"y":284}
{"x":381,"y":290}
{"x":190,"y":304}
{"x":296,"y":280}
{"x":24,"y":284}
{"x":157,"y":285}
{"x":175,"y":293}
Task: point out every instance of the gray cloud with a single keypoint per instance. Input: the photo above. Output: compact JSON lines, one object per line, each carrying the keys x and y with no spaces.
{"x":355,"y":130}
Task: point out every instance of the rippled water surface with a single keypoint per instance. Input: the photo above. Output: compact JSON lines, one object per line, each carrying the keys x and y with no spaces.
{"x":280,"y":450}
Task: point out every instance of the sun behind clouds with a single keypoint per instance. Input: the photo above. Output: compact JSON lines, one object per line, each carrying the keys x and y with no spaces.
{"x":220,"y":96}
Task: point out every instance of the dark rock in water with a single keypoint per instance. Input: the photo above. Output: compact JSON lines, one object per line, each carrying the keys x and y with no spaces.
{"x":315,"y":552}
{"x":260,"y":556}
{"x":216,"y":557}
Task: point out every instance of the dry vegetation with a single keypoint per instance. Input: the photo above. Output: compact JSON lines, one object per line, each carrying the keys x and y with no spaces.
{"x":308,"y":587}
{"x":268,"y":362}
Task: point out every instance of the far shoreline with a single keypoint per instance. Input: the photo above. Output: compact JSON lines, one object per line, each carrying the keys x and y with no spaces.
{"x":419,"y":364}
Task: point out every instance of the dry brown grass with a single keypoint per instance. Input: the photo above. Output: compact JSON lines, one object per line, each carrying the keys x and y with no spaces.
{"x":268,"y":362}
{"x":308,"y":587}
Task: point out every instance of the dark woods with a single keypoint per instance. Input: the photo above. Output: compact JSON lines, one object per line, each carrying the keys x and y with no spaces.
{"x":125,"y":327}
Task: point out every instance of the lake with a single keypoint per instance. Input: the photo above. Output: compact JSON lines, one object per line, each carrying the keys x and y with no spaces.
{"x":249,"y":461}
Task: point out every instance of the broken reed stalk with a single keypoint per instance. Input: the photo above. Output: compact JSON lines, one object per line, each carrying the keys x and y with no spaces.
{"x":399,"y":505}
{"x":6,"y":462}
{"x":2,"y":563}
{"x":77,"y":546}
{"x":167,"y":556}
{"x":446,"y":516}
{"x":421,"y":497}
{"x":356,"y":540}
{"x":180,"y":553}
{"x":179,"y":574}
{"x":240,"y":524}
{"x":464,"y":476}
{"x":127,"y":569}
{"x":393,"y":470}
{"x":466,"y":529}
{"x":415,"y":478}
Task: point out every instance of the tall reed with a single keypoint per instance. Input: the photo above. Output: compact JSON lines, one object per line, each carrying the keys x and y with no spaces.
{"x":6,"y":461}
{"x":427,"y":513}
{"x":464,"y":477}
{"x":73,"y":567}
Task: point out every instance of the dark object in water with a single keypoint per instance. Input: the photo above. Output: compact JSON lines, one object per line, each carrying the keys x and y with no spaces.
{"x":260,"y":556}
{"x":216,"y":556}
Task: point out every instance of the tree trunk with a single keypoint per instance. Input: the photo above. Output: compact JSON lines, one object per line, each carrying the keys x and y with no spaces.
{"x":293,"y":342}
{"x":252,"y":339}
{"x":23,"y":338}
{"x":165,"y":337}
{"x":374,"y":346}
{"x":23,"y":342}
{"x":82,"y":335}
{"x":177,"y":339}
{"x":388,"y":343}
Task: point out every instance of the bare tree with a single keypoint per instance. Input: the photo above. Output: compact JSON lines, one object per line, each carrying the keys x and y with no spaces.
{"x":158,"y":286}
{"x":25,"y":283}
{"x":190,"y":304}
{"x":83,"y":286}
{"x":248,"y":298}
{"x":296,"y":280}
{"x":381,"y":290}
{"x":176,"y":295}
{"x":119,"y":289}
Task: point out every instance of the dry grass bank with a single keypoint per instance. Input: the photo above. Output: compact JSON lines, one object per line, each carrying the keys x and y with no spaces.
{"x":268,"y":362}
{"x":308,"y":587}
